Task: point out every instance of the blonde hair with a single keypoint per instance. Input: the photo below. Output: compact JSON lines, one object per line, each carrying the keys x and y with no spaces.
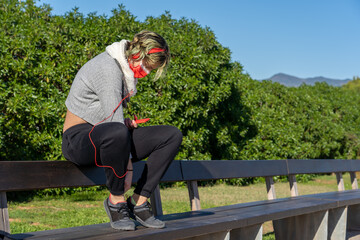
{"x":140,"y":46}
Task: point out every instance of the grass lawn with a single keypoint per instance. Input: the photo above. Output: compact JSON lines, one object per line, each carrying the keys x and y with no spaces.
{"x":86,"y":207}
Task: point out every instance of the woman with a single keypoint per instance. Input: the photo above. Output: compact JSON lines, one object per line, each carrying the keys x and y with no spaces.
{"x":96,"y":133}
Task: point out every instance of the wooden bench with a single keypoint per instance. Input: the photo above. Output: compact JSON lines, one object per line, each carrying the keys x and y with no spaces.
{"x":333,"y":215}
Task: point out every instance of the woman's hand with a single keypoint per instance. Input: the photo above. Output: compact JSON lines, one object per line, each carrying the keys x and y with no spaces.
{"x":128,"y":177}
{"x":130,"y":124}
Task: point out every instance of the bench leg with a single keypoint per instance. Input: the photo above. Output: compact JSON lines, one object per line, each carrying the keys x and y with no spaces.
{"x":254,"y":232}
{"x":194,"y":195}
{"x":353,"y":222}
{"x":212,"y":236}
{"x":353,"y":219}
{"x":155,"y":200}
{"x":307,"y":226}
{"x":337,"y":223}
{"x":4,"y":215}
{"x":246,"y":233}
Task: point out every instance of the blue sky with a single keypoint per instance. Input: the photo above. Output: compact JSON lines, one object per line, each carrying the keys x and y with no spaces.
{"x":304,"y":38}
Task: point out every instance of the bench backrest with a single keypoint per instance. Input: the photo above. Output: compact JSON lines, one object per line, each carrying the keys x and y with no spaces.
{"x":30,"y":175}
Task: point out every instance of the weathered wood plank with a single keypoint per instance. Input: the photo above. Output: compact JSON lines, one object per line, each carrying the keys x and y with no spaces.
{"x":54,"y":174}
{"x":156,"y":202}
{"x":353,"y":220}
{"x":254,"y":232}
{"x":293,"y":186}
{"x":337,"y":223}
{"x":270,"y":187}
{"x":4,"y":214}
{"x":340,"y":181}
{"x":194,"y":195}
{"x":299,"y":166}
{"x":343,"y":198}
{"x":352,"y":235}
{"x":245,"y":214}
{"x":102,"y":230}
{"x":305,"y":226}
{"x":218,"y":169}
{"x":355,"y":165}
{"x":204,"y":221}
{"x":47,"y":174}
{"x":223,"y":235}
{"x":354,"y":182}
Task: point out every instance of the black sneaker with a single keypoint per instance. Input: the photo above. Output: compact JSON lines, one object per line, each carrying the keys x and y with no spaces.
{"x":119,"y":216}
{"x":144,"y":215}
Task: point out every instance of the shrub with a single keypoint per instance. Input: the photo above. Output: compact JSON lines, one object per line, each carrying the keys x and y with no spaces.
{"x":222,"y":112}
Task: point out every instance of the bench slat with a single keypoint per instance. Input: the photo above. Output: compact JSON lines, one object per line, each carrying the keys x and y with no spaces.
{"x":55,"y":174}
{"x":193,"y":195}
{"x":353,"y":179}
{"x":26,"y":175}
{"x":270,"y":187}
{"x":218,"y":169}
{"x":52,"y":174}
{"x":355,"y":165}
{"x":298,"y":166}
{"x":293,"y":186}
{"x":4,"y":214}
{"x":99,"y":229}
{"x":210,"y":220}
{"x":340,"y":181}
{"x":343,"y":198}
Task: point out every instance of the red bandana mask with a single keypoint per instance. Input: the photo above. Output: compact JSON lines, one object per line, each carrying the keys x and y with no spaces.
{"x":140,"y":71}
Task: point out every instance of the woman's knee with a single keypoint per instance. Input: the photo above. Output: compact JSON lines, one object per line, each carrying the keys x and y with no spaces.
{"x":175,"y":134}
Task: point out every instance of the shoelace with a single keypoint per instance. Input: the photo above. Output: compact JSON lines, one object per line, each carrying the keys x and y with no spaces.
{"x":124,"y":210}
{"x":148,"y":206}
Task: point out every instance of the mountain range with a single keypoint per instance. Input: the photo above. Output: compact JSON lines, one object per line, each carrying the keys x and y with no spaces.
{"x":291,"y":81}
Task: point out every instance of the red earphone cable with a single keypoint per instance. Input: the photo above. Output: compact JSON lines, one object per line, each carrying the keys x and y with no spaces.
{"x":94,"y":144}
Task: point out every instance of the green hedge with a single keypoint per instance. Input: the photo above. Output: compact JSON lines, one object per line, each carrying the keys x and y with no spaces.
{"x":222,"y":112}
{"x":353,"y":85}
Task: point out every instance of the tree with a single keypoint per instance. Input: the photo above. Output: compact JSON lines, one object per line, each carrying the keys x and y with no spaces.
{"x":353,"y":85}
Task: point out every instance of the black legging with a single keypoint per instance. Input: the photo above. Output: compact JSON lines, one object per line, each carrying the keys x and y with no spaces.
{"x":114,"y":142}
